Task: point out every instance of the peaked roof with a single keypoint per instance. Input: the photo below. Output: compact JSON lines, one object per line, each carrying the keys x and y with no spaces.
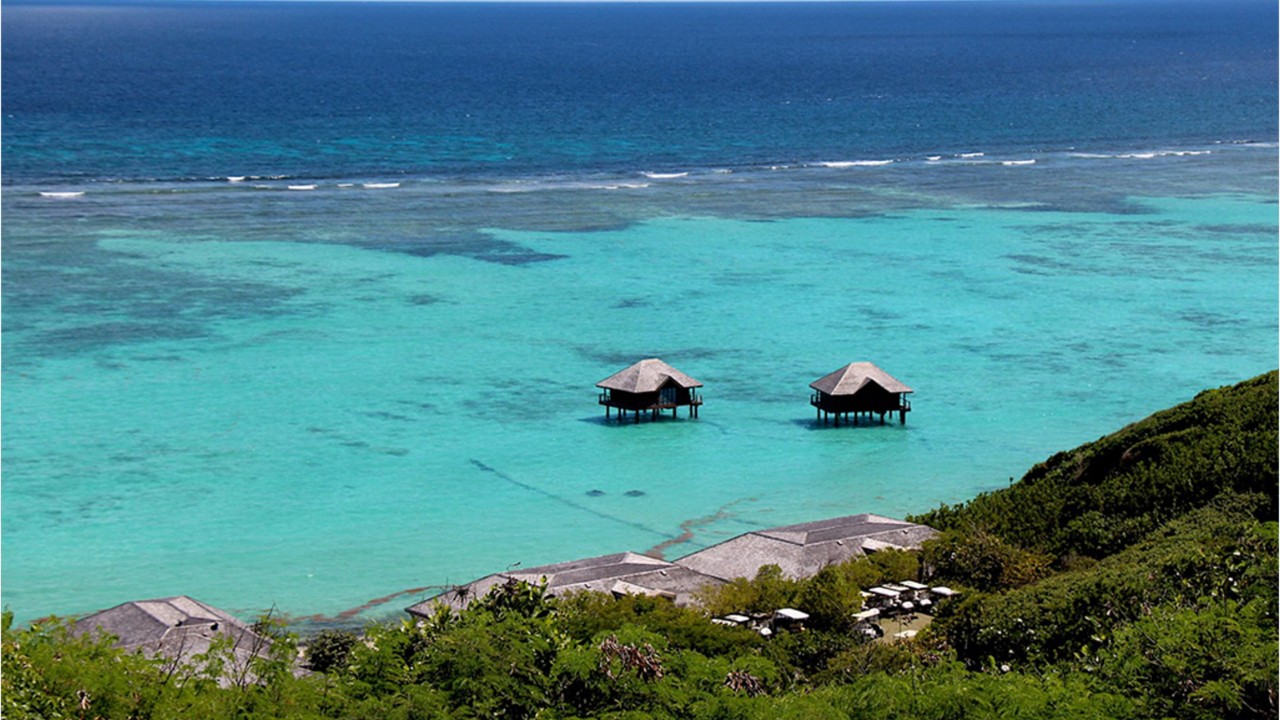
{"x":802,"y":550}
{"x":141,"y":622}
{"x":179,"y":628}
{"x":625,"y":572}
{"x":646,"y":376}
{"x":851,"y":378}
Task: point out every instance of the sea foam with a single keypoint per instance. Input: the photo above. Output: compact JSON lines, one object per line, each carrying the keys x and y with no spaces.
{"x":855,"y":163}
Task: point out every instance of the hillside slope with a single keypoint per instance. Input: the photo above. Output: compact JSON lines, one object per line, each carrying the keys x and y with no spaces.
{"x":1102,"y":496}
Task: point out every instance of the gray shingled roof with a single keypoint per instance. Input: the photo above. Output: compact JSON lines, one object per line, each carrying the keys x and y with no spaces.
{"x":178,"y":628}
{"x":853,"y":377}
{"x":802,"y":550}
{"x":646,"y":376}
{"x":623,"y":573}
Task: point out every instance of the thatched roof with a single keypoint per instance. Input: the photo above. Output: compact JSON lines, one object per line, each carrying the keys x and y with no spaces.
{"x":802,"y":550}
{"x":646,"y":376}
{"x":624,"y":573}
{"x":851,"y":378}
{"x":178,"y":628}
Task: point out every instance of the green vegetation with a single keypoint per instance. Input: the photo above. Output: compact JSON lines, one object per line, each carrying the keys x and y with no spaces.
{"x":1101,"y":497}
{"x":330,"y":650}
{"x":1133,"y":577}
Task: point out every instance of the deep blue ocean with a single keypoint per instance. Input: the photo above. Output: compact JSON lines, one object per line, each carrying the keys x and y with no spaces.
{"x":189,"y":91}
{"x":304,"y":303}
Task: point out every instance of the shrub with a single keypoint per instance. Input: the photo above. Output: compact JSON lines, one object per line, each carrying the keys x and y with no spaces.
{"x":981,"y":560}
{"x":330,"y":650}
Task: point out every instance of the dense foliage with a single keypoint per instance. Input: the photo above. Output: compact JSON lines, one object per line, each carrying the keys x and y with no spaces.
{"x":1097,"y":499}
{"x":1134,"y":577}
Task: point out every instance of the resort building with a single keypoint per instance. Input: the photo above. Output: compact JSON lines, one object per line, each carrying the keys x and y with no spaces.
{"x":177,"y":628}
{"x":799,"y":550}
{"x":857,"y":389}
{"x":625,"y":573}
{"x":802,"y":550}
{"x":649,"y":386}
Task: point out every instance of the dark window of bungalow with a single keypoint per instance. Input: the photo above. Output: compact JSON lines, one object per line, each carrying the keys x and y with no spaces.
{"x":668,"y":394}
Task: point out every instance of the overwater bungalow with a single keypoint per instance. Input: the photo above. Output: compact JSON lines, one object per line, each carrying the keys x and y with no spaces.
{"x":650,"y":386}
{"x":860,"y":389}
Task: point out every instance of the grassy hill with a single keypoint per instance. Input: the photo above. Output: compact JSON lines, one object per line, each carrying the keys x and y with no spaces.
{"x":1145,"y":560}
{"x":1100,"y":497}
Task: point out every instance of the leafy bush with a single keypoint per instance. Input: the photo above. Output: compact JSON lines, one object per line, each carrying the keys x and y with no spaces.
{"x":587,"y":616}
{"x":1214,"y":555}
{"x":983,"y":561}
{"x":1199,"y":664}
{"x":768,"y":591}
{"x":330,"y":650}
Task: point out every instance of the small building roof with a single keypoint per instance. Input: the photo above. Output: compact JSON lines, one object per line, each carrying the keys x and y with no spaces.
{"x":851,"y":378}
{"x":178,"y":628}
{"x":791,"y":614}
{"x":625,"y":573}
{"x":802,"y":550}
{"x":646,"y":376}
{"x":140,"y":622}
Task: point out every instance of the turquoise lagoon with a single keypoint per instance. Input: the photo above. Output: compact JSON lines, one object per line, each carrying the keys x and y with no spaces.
{"x":262,"y":398}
